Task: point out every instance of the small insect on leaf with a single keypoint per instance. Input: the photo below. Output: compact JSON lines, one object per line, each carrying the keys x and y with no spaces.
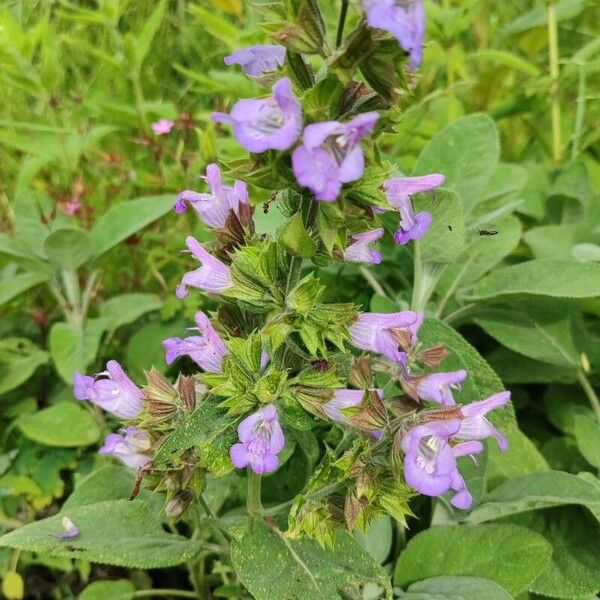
{"x":449,"y":227}
{"x":487,"y":232}
{"x":71,"y":530}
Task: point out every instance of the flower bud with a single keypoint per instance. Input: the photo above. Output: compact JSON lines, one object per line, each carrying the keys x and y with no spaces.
{"x":158,"y":388}
{"x":360,"y":375}
{"x":179,"y":504}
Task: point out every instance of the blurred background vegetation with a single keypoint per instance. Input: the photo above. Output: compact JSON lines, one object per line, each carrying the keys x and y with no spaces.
{"x":80,"y":84}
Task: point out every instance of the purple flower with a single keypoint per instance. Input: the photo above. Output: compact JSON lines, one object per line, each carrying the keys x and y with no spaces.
{"x":273,"y":123}
{"x":378,"y":332}
{"x":163,"y":126}
{"x":437,"y":387}
{"x":256,"y":60}
{"x":399,"y":191}
{"x":331,"y":155}
{"x":359,"y":251}
{"x":343,"y":399}
{"x":129,"y":447}
{"x":430,"y":461}
{"x":404,"y":19}
{"x":475,"y":426}
{"x":71,"y":530}
{"x":261,"y":440}
{"x":207,"y":350}
{"x":213,"y":276}
{"x":214,"y":208}
{"x":115,"y":393}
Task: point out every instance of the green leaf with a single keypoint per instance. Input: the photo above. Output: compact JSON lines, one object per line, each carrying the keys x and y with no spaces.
{"x":73,"y":349}
{"x":272,"y":568}
{"x":587,"y":435}
{"x":377,"y":539}
{"x":111,"y":482}
{"x":114,"y":532}
{"x":511,"y":556}
{"x":516,"y":368}
{"x":19,"y":359}
{"x":127,"y":308}
{"x":295,"y":239}
{"x":17,"y":284}
{"x":456,"y":588}
{"x":537,"y":490}
{"x":65,"y":424}
{"x":573,"y":569}
{"x":69,"y":248}
{"x":554,"y":278}
{"x":546,"y":332}
{"x":144,"y":38}
{"x":538,"y":16}
{"x":522,"y":458}
{"x":207,"y":422}
{"x":445,"y":239}
{"x":467,"y":153}
{"x":481,"y":255}
{"x":126,"y":218}
{"x":120,"y":589}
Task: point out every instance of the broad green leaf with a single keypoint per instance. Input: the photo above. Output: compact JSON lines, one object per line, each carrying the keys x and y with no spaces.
{"x":73,"y":349}
{"x":455,"y":588}
{"x":126,"y":218}
{"x":516,"y":368}
{"x":69,"y":248}
{"x":511,"y":556}
{"x":144,"y":349}
{"x":531,"y":492}
{"x":127,"y":308}
{"x":587,"y":435}
{"x":112,"y":482}
{"x":554,"y":278}
{"x":573,"y":569}
{"x":217,"y":26}
{"x":11,"y":288}
{"x":120,"y":589}
{"x":466,"y":152}
{"x":445,"y":239}
{"x":556,"y":242}
{"x":546,"y":332}
{"x":586,"y":252}
{"x":481,"y":255}
{"x":522,"y":458}
{"x":114,"y":532}
{"x":377,"y":539}
{"x":19,"y":359}
{"x":272,"y":568}
{"x":65,"y":424}
{"x":21,"y":252}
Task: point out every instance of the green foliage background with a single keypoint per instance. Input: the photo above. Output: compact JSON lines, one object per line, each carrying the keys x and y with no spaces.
{"x":513,"y":123}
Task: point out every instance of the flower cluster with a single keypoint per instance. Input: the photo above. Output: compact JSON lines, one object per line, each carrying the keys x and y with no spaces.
{"x":268,"y":356}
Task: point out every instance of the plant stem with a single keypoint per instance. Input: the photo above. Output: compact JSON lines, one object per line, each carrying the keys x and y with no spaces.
{"x":139,"y":99}
{"x":253,"y":501}
{"x":580,"y":112}
{"x":372,"y":281}
{"x":589,"y":392}
{"x":460,"y":312}
{"x":341,"y":22}
{"x":163,"y":592}
{"x":554,"y":80}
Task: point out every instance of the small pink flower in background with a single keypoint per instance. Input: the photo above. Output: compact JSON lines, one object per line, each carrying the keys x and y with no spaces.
{"x":163,"y":126}
{"x":70,"y":207}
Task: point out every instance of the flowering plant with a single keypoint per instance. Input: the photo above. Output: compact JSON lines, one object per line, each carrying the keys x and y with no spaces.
{"x":294,"y":417}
